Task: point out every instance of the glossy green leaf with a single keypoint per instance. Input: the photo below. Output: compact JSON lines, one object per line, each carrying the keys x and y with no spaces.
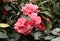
{"x":48,"y":14}
{"x":14,"y":36}
{"x":37,"y":35}
{"x":56,"y":31}
{"x":4,"y":25}
{"x":56,"y":8}
{"x":3,"y":35}
{"x":48,"y":25}
{"x":56,"y":39}
{"x":49,"y":37}
{"x":12,"y":40}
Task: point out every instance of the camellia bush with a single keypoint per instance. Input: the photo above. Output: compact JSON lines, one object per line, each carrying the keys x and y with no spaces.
{"x":29,"y":20}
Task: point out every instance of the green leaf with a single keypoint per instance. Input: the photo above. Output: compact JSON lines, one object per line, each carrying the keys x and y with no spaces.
{"x":14,"y":36}
{"x":56,"y":8}
{"x":3,"y":25}
{"x":48,"y":14}
{"x":17,"y":36}
{"x":58,"y":20}
{"x":36,"y":1}
{"x":49,"y":37}
{"x":48,"y":25}
{"x":44,"y":2}
{"x":37,"y":35}
{"x":57,"y":25}
{"x":12,"y":40}
{"x":43,"y":8}
{"x":56,"y":31}
{"x":3,"y":35}
{"x":56,"y":39}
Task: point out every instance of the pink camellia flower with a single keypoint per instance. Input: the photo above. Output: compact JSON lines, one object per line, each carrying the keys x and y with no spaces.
{"x":29,"y":8}
{"x":40,"y":26}
{"x":35,"y":18}
{"x":33,"y":15}
{"x":22,"y":21}
{"x":38,"y":20}
{"x":23,"y":26}
{"x":48,"y":20}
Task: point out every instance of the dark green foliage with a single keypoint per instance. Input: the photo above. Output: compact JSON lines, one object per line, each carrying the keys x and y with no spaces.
{"x":49,"y":9}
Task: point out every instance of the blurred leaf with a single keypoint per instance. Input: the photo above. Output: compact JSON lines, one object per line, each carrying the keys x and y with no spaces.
{"x":57,"y":25}
{"x":36,"y":1}
{"x":37,"y":35}
{"x":58,"y":20}
{"x":48,"y":25}
{"x":48,"y":14}
{"x":43,"y":8}
{"x":56,"y":31}
{"x":19,"y":1}
{"x":56,"y":8}
{"x":44,"y":2}
{"x":12,"y":40}
{"x":49,"y":37}
{"x":14,"y":36}
{"x":17,"y":36}
{"x":3,"y":30}
{"x":56,"y":39}
{"x":22,"y":1}
{"x":2,"y":35}
{"x":3,"y":25}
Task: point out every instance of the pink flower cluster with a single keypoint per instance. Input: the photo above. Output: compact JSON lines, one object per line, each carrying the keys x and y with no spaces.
{"x":35,"y":18}
{"x":25,"y":26}
{"x":29,"y":8}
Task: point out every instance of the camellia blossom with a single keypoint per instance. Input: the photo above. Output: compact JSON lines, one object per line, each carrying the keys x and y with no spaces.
{"x":40,"y":26}
{"x":48,"y":20}
{"x":22,"y":21}
{"x":36,"y":21}
{"x":23,"y":26}
{"x":29,"y":8}
{"x":35,"y":18}
{"x":33,"y":15}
